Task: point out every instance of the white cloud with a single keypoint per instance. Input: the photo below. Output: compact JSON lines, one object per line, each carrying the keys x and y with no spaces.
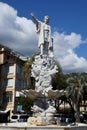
{"x":64,"y":46}
{"x":19,"y":34}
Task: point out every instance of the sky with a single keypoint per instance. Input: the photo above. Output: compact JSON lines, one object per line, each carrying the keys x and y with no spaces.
{"x":68,"y":21}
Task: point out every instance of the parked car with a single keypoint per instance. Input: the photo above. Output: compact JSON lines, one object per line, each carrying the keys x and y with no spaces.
{"x":4,"y":116}
{"x":19,"y":118}
{"x":64,"y":118}
{"x":83,"y":117}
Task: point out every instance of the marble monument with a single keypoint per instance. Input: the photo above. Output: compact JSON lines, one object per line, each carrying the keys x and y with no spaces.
{"x":43,"y":68}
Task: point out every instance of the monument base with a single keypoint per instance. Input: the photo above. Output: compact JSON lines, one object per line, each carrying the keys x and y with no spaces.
{"x":41,"y":121}
{"x":25,"y":126}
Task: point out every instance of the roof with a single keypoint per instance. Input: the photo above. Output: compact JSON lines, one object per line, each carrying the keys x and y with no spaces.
{"x":4,"y":48}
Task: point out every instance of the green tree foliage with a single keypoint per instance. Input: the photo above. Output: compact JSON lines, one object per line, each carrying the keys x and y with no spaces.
{"x":75,"y":92}
{"x":26,"y":103}
{"x":59,"y":79}
{"x":84,"y":86}
{"x":27,"y":73}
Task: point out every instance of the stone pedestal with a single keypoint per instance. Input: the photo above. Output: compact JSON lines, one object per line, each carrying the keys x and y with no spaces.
{"x":25,"y":126}
{"x":41,"y":121}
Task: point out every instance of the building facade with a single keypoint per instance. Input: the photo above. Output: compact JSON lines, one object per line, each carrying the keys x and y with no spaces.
{"x":11,"y":78}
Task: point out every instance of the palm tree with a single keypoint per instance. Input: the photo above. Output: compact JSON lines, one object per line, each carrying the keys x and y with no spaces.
{"x":75,"y":92}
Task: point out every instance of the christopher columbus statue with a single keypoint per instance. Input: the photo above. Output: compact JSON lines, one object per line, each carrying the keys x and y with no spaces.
{"x":45,"y":42}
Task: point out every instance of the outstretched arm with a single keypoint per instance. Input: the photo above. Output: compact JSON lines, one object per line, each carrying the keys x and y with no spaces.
{"x":36,"y":21}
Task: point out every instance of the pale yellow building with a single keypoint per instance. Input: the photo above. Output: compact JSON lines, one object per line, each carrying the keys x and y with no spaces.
{"x":11,"y":78}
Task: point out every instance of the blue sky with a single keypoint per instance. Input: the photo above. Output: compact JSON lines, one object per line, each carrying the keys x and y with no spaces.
{"x":68,"y":19}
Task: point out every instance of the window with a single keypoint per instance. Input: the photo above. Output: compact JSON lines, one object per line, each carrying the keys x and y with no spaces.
{"x":21,"y":83}
{"x":9,"y":69}
{"x":24,"y":84}
{"x":19,"y":69}
{"x":18,"y":82}
{"x":7,"y":97}
{"x":8,"y":82}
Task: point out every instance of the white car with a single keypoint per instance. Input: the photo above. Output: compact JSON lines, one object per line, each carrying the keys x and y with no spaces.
{"x":19,"y":118}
